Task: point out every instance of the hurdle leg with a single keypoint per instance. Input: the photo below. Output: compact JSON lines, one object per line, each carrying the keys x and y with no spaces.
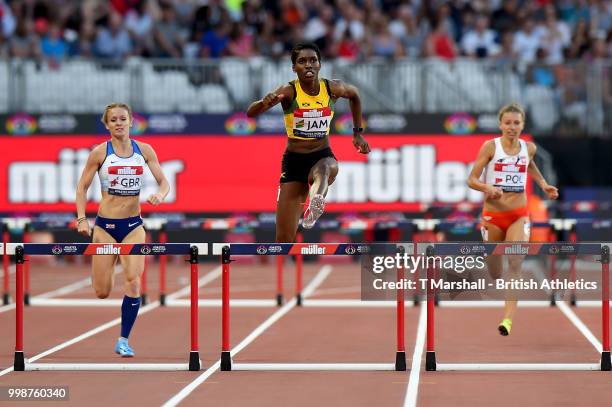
{"x":606,"y":364}
{"x":279,"y":280}
{"x":194,"y":356}
{"x":226,"y":359}
{"x":298,"y":273}
{"x":400,"y":356}
{"x":6,"y":298}
{"x":573,"y":239}
{"x":430,"y":356}
{"x":19,"y":363}
{"x":163,"y":261}
{"x":26,"y":269}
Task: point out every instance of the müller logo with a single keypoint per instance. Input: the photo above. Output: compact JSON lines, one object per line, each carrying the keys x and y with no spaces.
{"x":313,"y":249}
{"x":108,"y":249}
{"x":516,"y":249}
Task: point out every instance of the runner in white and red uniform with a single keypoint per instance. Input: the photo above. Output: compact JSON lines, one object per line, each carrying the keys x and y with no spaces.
{"x":506,"y":161}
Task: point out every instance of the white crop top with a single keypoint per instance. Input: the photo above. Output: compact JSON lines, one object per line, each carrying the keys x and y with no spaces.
{"x":508,"y":172}
{"x":122,"y":175}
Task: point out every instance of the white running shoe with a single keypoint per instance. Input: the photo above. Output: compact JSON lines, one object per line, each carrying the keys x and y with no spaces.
{"x":314,"y":211}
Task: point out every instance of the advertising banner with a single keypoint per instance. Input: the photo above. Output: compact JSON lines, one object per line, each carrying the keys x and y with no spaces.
{"x":233,"y":174}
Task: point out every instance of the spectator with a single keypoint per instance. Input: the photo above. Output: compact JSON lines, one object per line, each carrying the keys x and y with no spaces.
{"x":347,"y":48}
{"x":24,"y":44}
{"x":7,"y":20}
{"x":139,"y":24}
{"x":579,"y":43}
{"x":240,"y":42}
{"x":527,"y":42}
{"x":87,"y":38}
{"x":113,"y":41}
{"x":480,"y":42}
{"x":168,"y":34}
{"x":506,"y":57}
{"x":382,"y":43}
{"x":505,"y":19}
{"x":54,"y":48}
{"x":439,"y":43}
{"x":410,"y":35}
{"x":351,"y":18}
{"x":554,"y":36}
{"x":215,"y":41}
{"x":318,"y":29}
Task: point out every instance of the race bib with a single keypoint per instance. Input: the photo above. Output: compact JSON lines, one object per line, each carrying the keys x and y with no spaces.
{"x":124,"y":180}
{"x":511,"y":174}
{"x":312,"y":123}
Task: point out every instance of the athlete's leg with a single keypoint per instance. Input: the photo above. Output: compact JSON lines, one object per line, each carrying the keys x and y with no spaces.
{"x":321,"y":176}
{"x":517,"y":232}
{"x":102,"y":267}
{"x":291,"y":198}
{"x":133,"y":267}
{"x":493,"y":233}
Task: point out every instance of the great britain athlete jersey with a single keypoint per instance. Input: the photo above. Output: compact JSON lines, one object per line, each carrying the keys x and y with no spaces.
{"x":122,"y":176}
{"x":309,"y":117}
{"x":508,"y":172}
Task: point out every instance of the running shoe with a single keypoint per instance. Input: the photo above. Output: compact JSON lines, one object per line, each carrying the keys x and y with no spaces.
{"x":314,"y":211}
{"x":122,"y":348}
{"x":505,"y":327}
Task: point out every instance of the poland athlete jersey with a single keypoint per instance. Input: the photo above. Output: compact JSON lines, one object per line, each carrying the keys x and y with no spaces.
{"x":508,"y":172}
{"x":122,"y":176}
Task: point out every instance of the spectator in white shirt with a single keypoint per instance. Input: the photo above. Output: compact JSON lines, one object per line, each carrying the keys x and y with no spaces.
{"x":527,"y":41}
{"x":480,"y":42}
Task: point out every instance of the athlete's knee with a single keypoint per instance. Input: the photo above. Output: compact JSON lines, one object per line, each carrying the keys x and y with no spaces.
{"x":514,"y":263}
{"x":102,"y":292}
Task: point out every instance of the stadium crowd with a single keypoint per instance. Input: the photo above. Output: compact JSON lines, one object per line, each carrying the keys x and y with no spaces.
{"x":520,"y":31}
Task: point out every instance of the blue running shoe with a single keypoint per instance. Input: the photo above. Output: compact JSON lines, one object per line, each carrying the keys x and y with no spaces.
{"x":122,"y":348}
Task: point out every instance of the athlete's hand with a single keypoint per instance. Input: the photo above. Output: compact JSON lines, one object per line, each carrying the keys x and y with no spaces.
{"x":83,"y":228}
{"x":493,"y":193}
{"x":360,"y":144}
{"x":551,"y":191}
{"x":271,"y":99}
{"x":155,"y":199}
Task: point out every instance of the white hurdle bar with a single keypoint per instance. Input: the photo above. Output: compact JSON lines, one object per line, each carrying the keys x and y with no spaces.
{"x":517,"y":366}
{"x":150,"y":367}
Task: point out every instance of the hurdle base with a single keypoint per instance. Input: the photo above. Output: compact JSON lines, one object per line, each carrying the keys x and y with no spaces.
{"x":606,"y":365}
{"x":26,"y":298}
{"x":19,"y":364}
{"x":226,"y":361}
{"x":553,"y":300}
{"x":430,"y":361}
{"x":162,"y":300}
{"x":400,"y":361}
{"x":194,"y":361}
{"x":298,"y":299}
{"x":573,"y":300}
{"x":416,"y":300}
{"x":6,"y":299}
{"x":279,"y":299}
{"x":143,"y":299}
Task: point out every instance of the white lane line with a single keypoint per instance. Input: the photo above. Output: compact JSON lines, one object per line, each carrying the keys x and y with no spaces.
{"x":105,"y":326}
{"x":415,"y":369}
{"x":584,"y":330}
{"x":187,"y":390}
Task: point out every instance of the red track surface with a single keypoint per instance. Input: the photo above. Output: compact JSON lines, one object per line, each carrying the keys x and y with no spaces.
{"x":303,"y":335}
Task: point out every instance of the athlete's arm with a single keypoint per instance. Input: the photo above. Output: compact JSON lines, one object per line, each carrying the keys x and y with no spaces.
{"x":283,"y":93}
{"x":341,"y":89}
{"x":95,"y":159}
{"x":486,"y":153}
{"x":534,"y":172}
{"x":156,"y":170}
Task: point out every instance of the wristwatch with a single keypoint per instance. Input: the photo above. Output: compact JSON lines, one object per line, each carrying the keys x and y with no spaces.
{"x":357,"y":129}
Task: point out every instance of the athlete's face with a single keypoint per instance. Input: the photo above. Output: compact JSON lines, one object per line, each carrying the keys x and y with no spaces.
{"x":118,"y":122}
{"x":511,"y":124}
{"x":307,"y":65}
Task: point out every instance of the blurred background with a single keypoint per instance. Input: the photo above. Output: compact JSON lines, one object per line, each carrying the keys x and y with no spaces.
{"x":431,"y":74}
